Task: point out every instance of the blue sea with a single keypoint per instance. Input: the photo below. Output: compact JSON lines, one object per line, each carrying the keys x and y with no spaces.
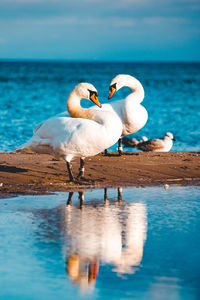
{"x":31,"y":92}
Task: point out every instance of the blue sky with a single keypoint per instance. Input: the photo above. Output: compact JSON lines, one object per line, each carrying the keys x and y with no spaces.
{"x":137,"y":30}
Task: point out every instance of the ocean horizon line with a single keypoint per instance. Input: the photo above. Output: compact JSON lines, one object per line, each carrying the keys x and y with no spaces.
{"x":42,"y":60}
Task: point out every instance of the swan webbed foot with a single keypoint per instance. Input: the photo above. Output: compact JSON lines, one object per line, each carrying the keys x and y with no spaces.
{"x":75,"y":181}
{"x":82,"y":178}
{"x":80,"y":175}
{"x":120,"y":152}
{"x":81,"y":172}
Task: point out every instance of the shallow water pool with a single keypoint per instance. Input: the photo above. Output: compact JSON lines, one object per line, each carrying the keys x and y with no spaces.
{"x":130,"y":243}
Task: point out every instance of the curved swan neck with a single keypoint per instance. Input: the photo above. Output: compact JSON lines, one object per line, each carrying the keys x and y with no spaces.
{"x":135,"y":86}
{"x":75,"y":109}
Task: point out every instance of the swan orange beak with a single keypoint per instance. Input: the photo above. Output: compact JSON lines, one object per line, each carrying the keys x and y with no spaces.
{"x":94,"y":99}
{"x":112,"y":91}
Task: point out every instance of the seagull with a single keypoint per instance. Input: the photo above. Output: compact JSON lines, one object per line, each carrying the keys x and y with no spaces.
{"x":157,"y":145}
{"x":133,"y":142}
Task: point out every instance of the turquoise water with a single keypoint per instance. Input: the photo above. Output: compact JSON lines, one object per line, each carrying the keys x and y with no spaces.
{"x":30,"y":92}
{"x":141,"y":243}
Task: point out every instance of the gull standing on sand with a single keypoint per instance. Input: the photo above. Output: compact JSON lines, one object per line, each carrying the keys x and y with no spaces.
{"x":87,"y":135}
{"x":128,"y":142}
{"x":157,"y":145}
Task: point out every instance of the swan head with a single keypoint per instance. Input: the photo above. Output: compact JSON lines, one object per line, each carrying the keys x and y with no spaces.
{"x":170,"y":136}
{"x":122,"y":80}
{"x":87,"y":91}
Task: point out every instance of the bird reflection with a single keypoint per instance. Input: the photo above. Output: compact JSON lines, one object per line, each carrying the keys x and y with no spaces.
{"x":114,"y":232}
{"x":82,"y":271}
{"x":81,"y":198}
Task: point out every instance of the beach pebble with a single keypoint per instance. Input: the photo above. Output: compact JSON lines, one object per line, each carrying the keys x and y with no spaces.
{"x":166,"y":186}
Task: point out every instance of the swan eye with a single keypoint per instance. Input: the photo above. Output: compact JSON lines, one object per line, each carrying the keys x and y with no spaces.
{"x":93,"y":93}
{"x":113,"y":86}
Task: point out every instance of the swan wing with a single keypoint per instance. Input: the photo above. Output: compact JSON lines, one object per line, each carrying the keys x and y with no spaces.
{"x":37,"y":127}
{"x":50,"y":133}
{"x":57,"y":126}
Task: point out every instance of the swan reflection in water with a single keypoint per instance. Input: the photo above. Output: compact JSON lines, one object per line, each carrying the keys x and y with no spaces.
{"x":113,"y":232}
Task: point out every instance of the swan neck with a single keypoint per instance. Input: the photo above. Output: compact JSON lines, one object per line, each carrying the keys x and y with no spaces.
{"x":137,"y":88}
{"x":74,"y":107}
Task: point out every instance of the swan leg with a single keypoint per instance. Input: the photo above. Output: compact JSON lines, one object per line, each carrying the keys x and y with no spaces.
{"x":119,"y":194}
{"x":69,"y":201}
{"x":81,"y":198}
{"x":105,"y":195}
{"x":81,"y":169}
{"x":81,"y":172}
{"x":120,"y":149}
{"x":71,"y":177}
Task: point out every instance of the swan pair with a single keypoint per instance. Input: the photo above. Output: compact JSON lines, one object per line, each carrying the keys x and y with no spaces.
{"x":89,"y":131}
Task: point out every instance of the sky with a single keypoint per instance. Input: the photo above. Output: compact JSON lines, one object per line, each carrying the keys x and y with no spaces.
{"x":100,"y":30}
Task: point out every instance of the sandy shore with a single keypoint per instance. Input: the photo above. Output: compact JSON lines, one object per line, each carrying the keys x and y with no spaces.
{"x":34,"y":173}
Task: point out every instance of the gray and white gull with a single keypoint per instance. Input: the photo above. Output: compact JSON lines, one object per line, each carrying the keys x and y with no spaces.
{"x":157,"y":145}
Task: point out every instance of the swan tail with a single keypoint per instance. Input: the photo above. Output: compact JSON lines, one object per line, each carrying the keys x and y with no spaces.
{"x":23,"y":150}
{"x":35,"y":129}
{"x":35,"y":144}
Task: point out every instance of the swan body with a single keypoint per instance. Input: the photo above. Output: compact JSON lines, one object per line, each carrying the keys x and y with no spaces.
{"x":68,"y":137}
{"x":87,"y":135}
{"x":157,"y":145}
{"x":132,"y":114}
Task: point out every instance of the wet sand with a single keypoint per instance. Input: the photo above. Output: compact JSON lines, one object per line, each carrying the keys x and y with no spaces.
{"x":38,"y":173}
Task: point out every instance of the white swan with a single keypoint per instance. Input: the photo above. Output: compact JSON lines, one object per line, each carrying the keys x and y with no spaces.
{"x":132,"y":114}
{"x":66,"y":137}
